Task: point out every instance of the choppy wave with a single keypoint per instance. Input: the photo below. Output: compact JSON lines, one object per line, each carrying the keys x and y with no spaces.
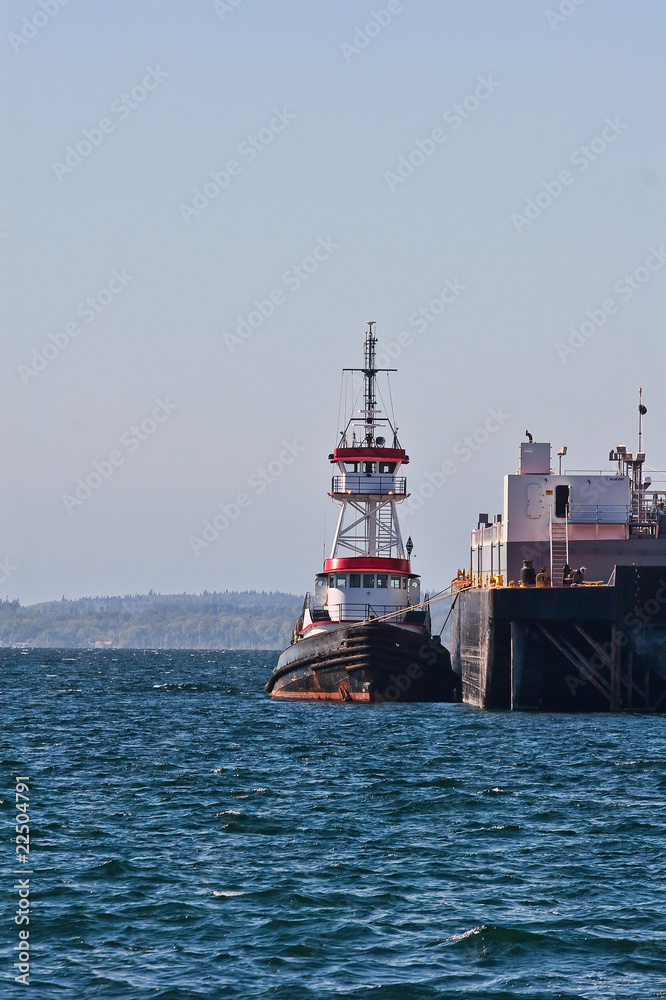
{"x":192,"y":839}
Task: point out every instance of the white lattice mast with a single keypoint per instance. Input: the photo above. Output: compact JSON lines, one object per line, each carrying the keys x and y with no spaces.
{"x":369,"y":484}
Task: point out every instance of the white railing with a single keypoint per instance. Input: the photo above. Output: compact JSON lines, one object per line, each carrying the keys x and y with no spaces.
{"x":600,"y":513}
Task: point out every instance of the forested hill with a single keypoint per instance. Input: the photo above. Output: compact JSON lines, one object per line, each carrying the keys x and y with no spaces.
{"x":226,"y":620}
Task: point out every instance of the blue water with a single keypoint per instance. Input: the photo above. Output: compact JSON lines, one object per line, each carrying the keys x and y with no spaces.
{"x":190,"y":838}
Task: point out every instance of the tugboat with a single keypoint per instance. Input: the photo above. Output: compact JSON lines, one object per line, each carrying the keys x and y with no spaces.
{"x":365,"y":634}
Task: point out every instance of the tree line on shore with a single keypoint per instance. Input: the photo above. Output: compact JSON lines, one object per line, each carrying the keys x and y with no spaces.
{"x":226,"y":620}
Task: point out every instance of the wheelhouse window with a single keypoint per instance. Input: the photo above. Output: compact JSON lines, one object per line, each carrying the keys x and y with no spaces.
{"x":387,"y":468}
{"x":341,"y":582}
{"x":369,"y":468}
{"x":351,"y":466}
{"x":395,"y":583}
{"x":354,"y":579}
{"x":369,"y":580}
{"x":382,"y":580}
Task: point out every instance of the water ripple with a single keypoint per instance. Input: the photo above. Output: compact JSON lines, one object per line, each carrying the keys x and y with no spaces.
{"x":192,"y":839}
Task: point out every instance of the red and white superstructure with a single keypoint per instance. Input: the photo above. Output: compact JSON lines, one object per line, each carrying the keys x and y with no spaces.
{"x":368,"y":573}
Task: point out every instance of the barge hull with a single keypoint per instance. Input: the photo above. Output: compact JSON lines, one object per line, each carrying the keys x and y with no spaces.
{"x":578,"y":649}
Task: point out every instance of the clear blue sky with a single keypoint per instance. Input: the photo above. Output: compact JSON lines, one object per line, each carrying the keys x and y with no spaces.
{"x":403,"y":147}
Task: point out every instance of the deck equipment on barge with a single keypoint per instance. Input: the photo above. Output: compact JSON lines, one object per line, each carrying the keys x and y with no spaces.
{"x":594,"y":639}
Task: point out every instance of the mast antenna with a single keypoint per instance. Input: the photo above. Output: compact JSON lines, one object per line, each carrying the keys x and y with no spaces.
{"x":641,"y":410}
{"x":370,"y":372}
{"x":370,"y":415}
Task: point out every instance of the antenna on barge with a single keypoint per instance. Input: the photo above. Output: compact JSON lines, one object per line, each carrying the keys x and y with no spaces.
{"x":641,"y":410}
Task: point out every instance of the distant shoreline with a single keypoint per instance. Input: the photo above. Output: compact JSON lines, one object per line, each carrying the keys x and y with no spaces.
{"x":235,"y":620}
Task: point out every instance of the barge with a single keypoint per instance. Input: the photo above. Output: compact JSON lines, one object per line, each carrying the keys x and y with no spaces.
{"x":528,"y":631}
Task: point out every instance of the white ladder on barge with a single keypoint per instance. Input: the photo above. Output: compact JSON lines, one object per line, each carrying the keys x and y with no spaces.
{"x":559,"y":550}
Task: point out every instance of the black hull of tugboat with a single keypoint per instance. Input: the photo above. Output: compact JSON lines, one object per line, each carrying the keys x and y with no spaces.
{"x":373,"y":662}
